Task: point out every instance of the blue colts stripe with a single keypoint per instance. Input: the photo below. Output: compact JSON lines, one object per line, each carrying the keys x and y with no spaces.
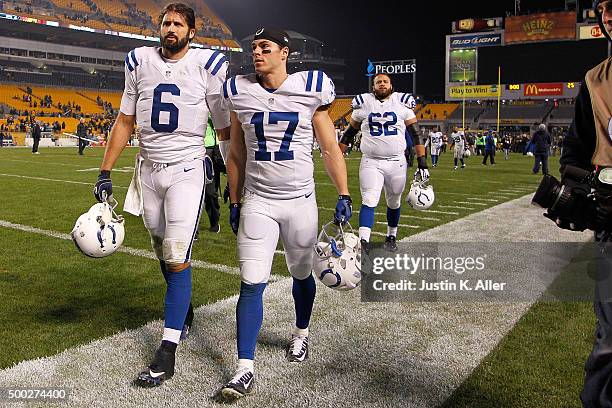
{"x":225,"y":95}
{"x":360,"y":99}
{"x":127,"y":62}
{"x":319,"y":81}
{"x":188,"y":255}
{"x":309,"y":81}
{"x":233,"y":86}
{"x":133,"y":55}
{"x":218,"y":66}
{"x":212,"y":59}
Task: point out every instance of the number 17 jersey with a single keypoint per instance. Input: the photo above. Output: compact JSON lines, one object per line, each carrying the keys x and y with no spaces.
{"x":278,"y":130}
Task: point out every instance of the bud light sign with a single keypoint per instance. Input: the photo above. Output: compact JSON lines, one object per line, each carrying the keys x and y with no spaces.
{"x":473,"y":41}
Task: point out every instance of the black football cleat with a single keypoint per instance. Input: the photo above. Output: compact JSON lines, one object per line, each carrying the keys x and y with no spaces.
{"x":297,"y":350}
{"x":390,"y":243}
{"x":239,"y":386}
{"x":160,"y":369}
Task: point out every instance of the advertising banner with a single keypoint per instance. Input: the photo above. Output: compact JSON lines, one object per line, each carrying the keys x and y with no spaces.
{"x":471,"y":91}
{"x":541,"y":27}
{"x":590,"y":32}
{"x":552,"y":89}
{"x":475,"y":40}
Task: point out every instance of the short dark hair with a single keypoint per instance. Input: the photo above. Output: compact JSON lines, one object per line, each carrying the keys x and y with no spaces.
{"x":379,"y":74}
{"x":180,"y":8}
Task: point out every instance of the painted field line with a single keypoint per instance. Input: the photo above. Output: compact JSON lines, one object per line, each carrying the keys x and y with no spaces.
{"x":483,"y":199}
{"x":54,"y":180}
{"x":456,"y":206}
{"x":471,"y":203}
{"x":434,"y":179}
{"x":400,"y":225}
{"x":385,"y":214}
{"x":127,"y":250}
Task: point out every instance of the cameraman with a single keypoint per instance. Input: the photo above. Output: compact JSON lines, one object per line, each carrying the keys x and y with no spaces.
{"x":588,"y":147}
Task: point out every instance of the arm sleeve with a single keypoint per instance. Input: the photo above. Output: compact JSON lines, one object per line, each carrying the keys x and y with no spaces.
{"x":579,"y":144}
{"x":214,"y":97}
{"x":130,"y":93}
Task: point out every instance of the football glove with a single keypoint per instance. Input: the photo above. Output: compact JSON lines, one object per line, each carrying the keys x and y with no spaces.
{"x":226,"y":195}
{"x":344,"y":209}
{"x":103,"y":190}
{"x":421,"y":173}
{"x":234,"y":218}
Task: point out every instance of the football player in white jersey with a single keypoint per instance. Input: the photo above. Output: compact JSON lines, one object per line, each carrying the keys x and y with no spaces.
{"x":383,"y":117}
{"x":169,"y":92}
{"x":435,"y":145}
{"x":270,"y":169}
{"x":458,"y":140}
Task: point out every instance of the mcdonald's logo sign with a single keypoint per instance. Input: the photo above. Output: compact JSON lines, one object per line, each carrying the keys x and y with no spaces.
{"x":555,"y":89}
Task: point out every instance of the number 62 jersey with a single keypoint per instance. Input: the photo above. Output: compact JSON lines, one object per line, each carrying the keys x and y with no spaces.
{"x":172,"y":99}
{"x":383,"y":123}
{"x":278,"y":130}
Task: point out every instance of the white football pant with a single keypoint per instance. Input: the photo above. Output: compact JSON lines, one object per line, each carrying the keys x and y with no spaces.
{"x":262,"y":221}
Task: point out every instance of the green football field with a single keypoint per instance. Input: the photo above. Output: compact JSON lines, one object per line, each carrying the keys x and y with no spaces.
{"x":53,"y":298}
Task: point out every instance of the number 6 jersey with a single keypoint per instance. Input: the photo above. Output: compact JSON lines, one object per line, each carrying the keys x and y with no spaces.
{"x":278,"y":130}
{"x":382,"y":123}
{"x":171,"y":101}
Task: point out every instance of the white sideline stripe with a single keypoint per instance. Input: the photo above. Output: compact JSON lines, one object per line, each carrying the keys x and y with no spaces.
{"x":440,"y":212}
{"x":483,"y":199}
{"x":434,"y":179}
{"x":380,"y":234}
{"x":471,"y":203}
{"x":440,"y":358}
{"x":44,"y":162}
{"x":385,"y":214}
{"x":456,"y":206}
{"x":399,"y":225}
{"x":54,"y":180}
{"x":127,"y":250}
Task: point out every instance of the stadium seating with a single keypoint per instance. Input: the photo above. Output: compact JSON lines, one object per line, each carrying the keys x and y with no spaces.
{"x":528,"y":113}
{"x":436,"y":111}
{"x":472,"y":112}
{"x":341,"y":107}
{"x":76,"y":5}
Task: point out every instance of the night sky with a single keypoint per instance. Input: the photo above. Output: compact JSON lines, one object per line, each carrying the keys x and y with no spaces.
{"x":358,"y":30}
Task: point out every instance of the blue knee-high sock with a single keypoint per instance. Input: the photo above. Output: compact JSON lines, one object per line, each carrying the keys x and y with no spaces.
{"x":178,"y":297}
{"x":462,"y":162}
{"x":304,"y":292}
{"x":366,"y":216}
{"x":249,"y":315}
{"x":455,"y":162}
{"x":393,"y":216}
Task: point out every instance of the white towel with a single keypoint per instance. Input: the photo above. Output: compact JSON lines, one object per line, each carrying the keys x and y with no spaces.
{"x":133,"y":198}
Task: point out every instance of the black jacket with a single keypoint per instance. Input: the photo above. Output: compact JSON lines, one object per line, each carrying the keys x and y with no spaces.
{"x":36,"y":133}
{"x":541,"y":140}
{"x":579,"y":145}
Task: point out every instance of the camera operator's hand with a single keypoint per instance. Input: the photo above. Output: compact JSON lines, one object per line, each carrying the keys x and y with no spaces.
{"x":564,"y":223}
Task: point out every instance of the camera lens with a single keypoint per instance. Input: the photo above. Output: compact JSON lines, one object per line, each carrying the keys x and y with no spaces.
{"x":547,"y":193}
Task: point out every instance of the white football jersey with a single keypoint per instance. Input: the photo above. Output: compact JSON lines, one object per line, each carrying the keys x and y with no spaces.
{"x":278,"y":130}
{"x":458,"y":139}
{"x":383,"y":131}
{"x":172,"y":99}
{"x":436,"y":139}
